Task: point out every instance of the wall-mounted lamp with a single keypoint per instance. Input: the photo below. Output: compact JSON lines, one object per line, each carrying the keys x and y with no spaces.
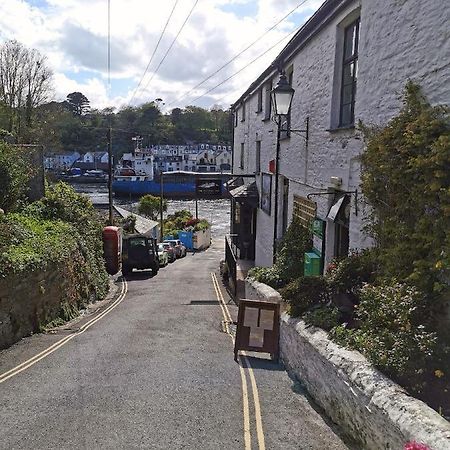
{"x":282,"y":95}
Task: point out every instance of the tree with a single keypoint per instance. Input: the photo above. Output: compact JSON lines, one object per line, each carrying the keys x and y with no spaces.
{"x":25,"y":83}
{"x":149,"y":206}
{"x":78,"y":103}
{"x":15,"y":172}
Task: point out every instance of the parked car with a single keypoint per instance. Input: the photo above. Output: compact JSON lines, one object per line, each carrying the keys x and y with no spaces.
{"x":170,"y":251}
{"x":177,"y":245}
{"x":163,"y":256}
{"x":139,"y":252}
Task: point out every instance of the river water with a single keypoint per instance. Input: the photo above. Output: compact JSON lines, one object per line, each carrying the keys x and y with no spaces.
{"x":216,"y":212}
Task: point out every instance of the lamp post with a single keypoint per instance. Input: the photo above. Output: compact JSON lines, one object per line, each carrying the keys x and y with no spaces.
{"x":281,"y":96}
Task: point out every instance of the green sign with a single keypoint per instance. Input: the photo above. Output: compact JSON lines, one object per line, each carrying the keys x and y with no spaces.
{"x":318,"y":227}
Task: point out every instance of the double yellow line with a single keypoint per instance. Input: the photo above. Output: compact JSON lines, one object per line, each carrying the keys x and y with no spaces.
{"x":244,"y":363}
{"x":48,"y":351}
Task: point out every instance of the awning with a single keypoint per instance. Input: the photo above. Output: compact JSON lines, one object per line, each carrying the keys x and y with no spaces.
{"x":334,"y":210}
{"x":234,"y":183}
{"x":247,"y":193}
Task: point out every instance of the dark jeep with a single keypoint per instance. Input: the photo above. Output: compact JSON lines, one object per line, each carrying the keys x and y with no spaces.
{"x":139,"y":252}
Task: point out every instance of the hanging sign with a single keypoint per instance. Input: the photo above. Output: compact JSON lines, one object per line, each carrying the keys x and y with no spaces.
{"x":258,"y":327}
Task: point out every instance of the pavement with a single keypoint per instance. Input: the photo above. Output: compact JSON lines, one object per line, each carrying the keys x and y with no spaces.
{"x":153,"y":368}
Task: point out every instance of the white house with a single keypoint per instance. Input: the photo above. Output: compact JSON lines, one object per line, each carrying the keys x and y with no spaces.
{"x":62,"y":161}
{"x":348,"y":63}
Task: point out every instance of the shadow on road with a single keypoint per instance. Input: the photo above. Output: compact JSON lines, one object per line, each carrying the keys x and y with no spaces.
{"x":264,"y":364}
{"x":141,"y":275}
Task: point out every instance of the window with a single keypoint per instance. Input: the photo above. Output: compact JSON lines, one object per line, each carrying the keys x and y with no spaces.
{"x":241,"y":161}
{"x":349,"y":74}
{"x":258,"y":157}
{"x":260,"y":100}
{"x":268,"y":101}
{"x":235,"y":118}
{"x":243,"y":113}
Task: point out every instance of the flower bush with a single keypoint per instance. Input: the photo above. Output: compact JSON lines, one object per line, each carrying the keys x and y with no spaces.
{"x":304,"y":293}
{"x":390,"y":332}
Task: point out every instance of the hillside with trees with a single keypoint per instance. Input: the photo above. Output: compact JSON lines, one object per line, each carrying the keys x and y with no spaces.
{"x":27,"y":114}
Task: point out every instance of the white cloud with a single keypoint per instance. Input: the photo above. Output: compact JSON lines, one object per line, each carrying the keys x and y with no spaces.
{"x":73,"y":35}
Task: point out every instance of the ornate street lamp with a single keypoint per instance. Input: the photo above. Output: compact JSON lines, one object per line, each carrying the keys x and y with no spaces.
{"x":281,"y":95}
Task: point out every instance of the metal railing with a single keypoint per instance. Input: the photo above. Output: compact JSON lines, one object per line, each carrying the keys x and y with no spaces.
{"x":230,"y":259}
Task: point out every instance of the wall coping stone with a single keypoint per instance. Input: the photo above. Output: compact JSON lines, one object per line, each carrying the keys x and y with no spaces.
{"x":254,"y":290}
{"x":388,"y":417}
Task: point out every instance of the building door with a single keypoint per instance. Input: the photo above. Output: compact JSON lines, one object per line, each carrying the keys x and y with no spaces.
{"x":341,"y":230}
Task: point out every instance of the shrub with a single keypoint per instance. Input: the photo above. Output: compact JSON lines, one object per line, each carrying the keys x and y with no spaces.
{"x":149,"y":206}
{"x":290,"y":257}
{"x":15,"y":171}
{"x":304,"y":293}
{"x":266,"y":275}
{"x":406,"y":179}
{"x":391,"y":333}
{"x":291,"y":252}
{"x":347,"y":275}
{"x":62,"y":203}
{"x":326,"y":317}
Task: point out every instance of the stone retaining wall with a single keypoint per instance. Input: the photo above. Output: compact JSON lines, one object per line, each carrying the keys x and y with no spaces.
{"x":31,"y":301}
{"x":367,"y":405}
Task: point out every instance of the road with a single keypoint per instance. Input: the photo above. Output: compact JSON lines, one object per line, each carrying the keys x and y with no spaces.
{"x":155,"y":370}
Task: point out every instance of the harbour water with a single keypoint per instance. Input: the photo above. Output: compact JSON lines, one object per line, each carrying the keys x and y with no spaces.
{"x":215,"y":211}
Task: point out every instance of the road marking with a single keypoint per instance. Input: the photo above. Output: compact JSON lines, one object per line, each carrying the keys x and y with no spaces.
{"x":259,"y":426}
{"x":48,"y":351}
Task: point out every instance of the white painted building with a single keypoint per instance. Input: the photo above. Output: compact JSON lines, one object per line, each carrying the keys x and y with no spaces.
{"x":386,"y":43}
{"x":62,"y":161}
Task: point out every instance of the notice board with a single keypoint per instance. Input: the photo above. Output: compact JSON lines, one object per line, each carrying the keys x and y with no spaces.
{"x":258,"y":327}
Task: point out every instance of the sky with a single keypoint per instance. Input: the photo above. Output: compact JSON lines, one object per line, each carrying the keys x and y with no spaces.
{"x":73,"y":35}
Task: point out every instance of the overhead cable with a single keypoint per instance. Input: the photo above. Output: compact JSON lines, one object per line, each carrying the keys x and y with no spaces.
{"x":239,"y":54}
{"x":171,"y":45}
{"x":243,"y":68}
{"x":154,"y":52}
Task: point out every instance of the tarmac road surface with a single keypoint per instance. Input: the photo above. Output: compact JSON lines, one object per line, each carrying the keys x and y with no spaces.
{"x":154,"y":369}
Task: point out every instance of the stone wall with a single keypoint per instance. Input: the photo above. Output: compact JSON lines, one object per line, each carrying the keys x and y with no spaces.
{"x":29,"y":302}
{"x":254,"y":290}
{"x":368,"y":406}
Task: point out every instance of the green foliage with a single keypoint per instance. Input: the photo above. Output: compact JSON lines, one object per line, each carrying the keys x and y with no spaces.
{"x":149,"y":206}
{"x":303,"y":293}
{"x":62,"y":203}
{"x":267,"y":275}
{"x":289,"y":263}
{"x":406,"y":179}
{"x":14,"y":175}
{"x":326,"y":317}
{"x":182,"y":220}
{"x":347,"y":275}
{"x":295,"y":243}
{"x":391,"y":332}
{"x":33,"y":243}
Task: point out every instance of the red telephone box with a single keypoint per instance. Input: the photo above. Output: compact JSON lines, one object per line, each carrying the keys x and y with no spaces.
{"x":112,"y":248}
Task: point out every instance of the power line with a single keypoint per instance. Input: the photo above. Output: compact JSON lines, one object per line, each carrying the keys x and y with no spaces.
{"x":171,"y":45}
{"x":154,"y":51}
{"x":240,"y":53}
{"x":243,"y":68}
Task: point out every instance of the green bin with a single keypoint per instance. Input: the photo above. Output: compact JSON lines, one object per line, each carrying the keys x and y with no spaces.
{"x":312,"y":264}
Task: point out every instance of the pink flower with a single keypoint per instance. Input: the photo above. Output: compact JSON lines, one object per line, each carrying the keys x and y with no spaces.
{"x":415,"y":446}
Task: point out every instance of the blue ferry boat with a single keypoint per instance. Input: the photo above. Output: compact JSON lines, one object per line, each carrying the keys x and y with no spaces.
{"x":179,"y":184}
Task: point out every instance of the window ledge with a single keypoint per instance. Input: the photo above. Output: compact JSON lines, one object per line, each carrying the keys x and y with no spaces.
{"x":343,"y":128}
{"x":266,"y":119}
